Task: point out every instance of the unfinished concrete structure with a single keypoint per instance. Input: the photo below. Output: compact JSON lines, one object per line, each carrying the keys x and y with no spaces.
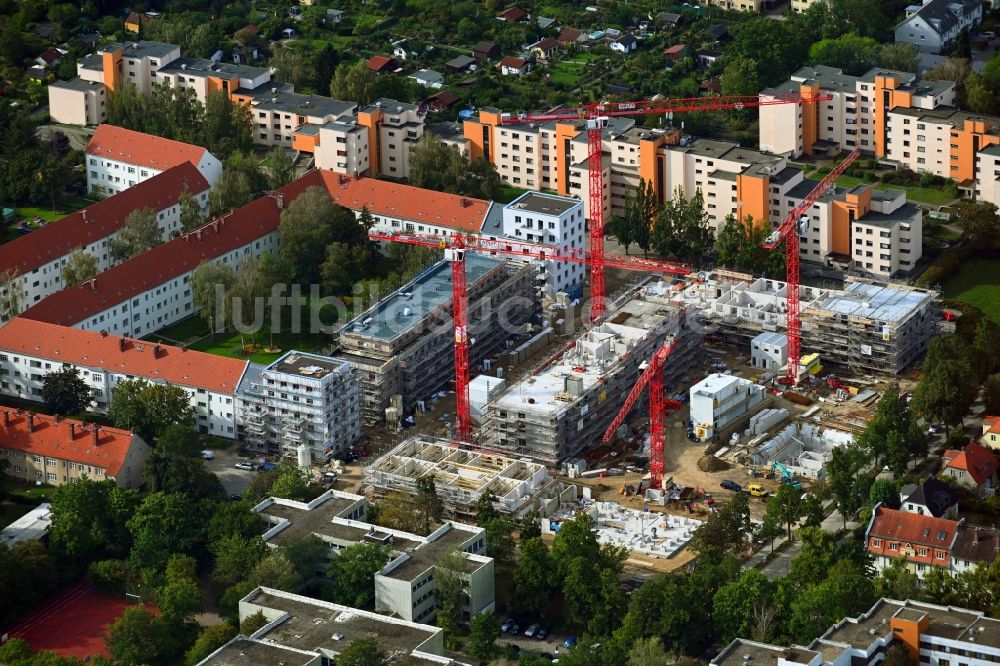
{"x":868,"y":327}
{"x":803,"y":448}
{"x":404,"y":345}
{"x":461,"y":477}
{"x":565,"y":404}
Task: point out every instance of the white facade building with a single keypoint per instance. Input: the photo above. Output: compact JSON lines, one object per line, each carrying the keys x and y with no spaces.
{"x":769,"y":351}
{"x":988,"y":175}
{"x":934,"y":26}
{"x":719,"y":400}
{"x":553,"y":220}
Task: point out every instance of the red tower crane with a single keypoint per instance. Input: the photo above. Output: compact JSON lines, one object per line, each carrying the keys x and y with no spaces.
{"x":652,"y":376}
{"x":596,"y":116}
{"x":789,"y":232}
{"x":457,"y":245}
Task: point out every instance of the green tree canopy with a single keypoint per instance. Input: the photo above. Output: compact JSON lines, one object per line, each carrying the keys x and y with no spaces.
{"x":89,"y":520}
{"x":948,"y":387}
{"x":147,"y":408}
{"x":353,"y":571}
{"x":65,"y":392}
{"x":80,"y":266}
{"x":211,"y":284}
{"x":851,"y":53}
{"x":165,"y":524}
{"x":175,"y":466}
{"x":354,"y":82}
{"x":139,"y":234}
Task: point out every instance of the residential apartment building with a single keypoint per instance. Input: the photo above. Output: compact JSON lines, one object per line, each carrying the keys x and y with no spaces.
{"x":932,"y":635}
{"x":119,"y":158}
{"x":974,"y":468}
{"x":303,"y":631}
{"x":372,"y":141}
{"x":734,"y":5}
{"x":152,"y":291}
{"x":718,"y":401}
{"x":31,"y":265}
{"x":857,"y":116}
{"x":988,"y":175}
{"x":925,"y":541}
{"x":934,"y":25}
{"x":55,"y":450}
{"x":555,"y":221}
{"x":29,"y":350}
{"x":405,"y":586}
{"x":300,"y":400}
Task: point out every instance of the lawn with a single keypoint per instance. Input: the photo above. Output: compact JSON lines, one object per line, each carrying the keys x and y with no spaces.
{"x":978,"y":283}
{"x":927,"y":195}
{"x":63,"y":208}
{"x":567,"y":72}
{"x":508,"y":194}
{"x":193,"y":332}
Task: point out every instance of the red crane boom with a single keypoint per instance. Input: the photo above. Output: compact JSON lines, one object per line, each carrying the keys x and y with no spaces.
{"x":596,"y":116}
{"x":652,"y":376}
{"x":789,"y":232}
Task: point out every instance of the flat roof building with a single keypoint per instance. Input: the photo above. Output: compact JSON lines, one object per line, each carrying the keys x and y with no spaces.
{"x":32,"y":526}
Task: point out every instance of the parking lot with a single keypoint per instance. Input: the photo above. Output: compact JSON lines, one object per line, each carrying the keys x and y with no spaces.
{"x":552,"y":645}
{"x":235,"y":481}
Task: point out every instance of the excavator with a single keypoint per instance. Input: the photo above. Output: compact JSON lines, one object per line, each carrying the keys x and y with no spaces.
{"x":786,"y":476}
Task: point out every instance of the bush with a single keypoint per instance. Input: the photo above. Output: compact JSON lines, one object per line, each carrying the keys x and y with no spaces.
{"x":108,"y":576}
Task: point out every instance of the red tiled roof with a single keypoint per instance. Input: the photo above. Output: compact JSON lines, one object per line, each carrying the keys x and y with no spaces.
{"x":65,"y":439}
{"x":111,"y":353}
{"x":675,"y":49}
{"x":993,"y":422}
{"x":125,"y":145}
{"x":977,"y":460}
{"x":408,"y":202}
{"x":513,"y":14}
{"x":165,"y":262}
{"x":512,"y":61}
{"x":98,"y":220}
{"x":547,"y":44}
{"x":442,"y":100}
{"x":379,"y":62}
{"x":51,"y":55}
{"x":569,"y":34}
{"x":909,"y":530}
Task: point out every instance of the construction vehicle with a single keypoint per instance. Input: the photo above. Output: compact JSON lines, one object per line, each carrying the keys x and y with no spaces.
{"x":757,"y":490}
{"x":786,"y":476}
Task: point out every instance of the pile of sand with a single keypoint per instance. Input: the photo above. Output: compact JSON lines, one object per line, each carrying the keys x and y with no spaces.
{"x":712,"y":464}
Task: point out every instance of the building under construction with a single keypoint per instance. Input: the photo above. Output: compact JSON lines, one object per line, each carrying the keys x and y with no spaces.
{"x":565,"y":405}
{"x":402,"y":349}
{"x":867,"y":328}
{"x":461,"y":477}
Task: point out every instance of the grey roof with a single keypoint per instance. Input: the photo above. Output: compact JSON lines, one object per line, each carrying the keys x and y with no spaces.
{"x":446,"y":130}
{"x":880,"y":302}
{"x":936,"y":495}
{"x":428,"y":76}
{"x":905,"y":213}
{"x":76,"y":83}
{"x":784,"y":175}
{"x":802,"y":190}
{"x":627,"y":39}
{"x":719,"y":174}
{"x":93,"y":62}
{"x":313,"y":105}
{"x":460,"y":62}
{"x":390,"y":105}
{"x":949,"y":115}
{"x":143,"y":49}
{"x":546,"y":204}
{"x":993,"y":150}
{"x":943,"y":15}
{"x":545,"y":22}
{"x":202,"y":67}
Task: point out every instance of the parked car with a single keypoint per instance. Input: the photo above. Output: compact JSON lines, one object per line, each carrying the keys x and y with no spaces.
{"x":267,"y":467}
{"x":208,"y":454}
{"x":509,"y":626}
{"x":569,"y":642}
{"x":531,"y":630}
{"x":757,"y":490}
{"x":245,"y":464}
{"x":236,"y":497}
{"x":731,"y":485}
{"x":541,"y":633}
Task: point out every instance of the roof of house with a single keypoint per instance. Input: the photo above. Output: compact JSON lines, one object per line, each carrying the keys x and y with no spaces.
{"x":627,"y":39}
{"x":943,"y":15}
{"x":98,"y":220}
{"x":977,"y":544}
{"x":718,"y":31}
{"x":51,"y":55}
{"x":669,"y":17}
{"x":975,"y":459}
{"x":428,"y":75}
{"x":65,"y":439}
{"x":39,"y":73}
{"x":513,"y":14}
{"x":894,"y":525}
{"x":484,"y":46}
{"x":460,"y":62}
{"x":379,"y":62}
{"x":991,"y":423}
{"x":569,"y":34}
{"x":140,"y":149}
{"x":936,"y":495}
{"x":407,"y":202}
{"x":513,"y":61}
{"x":445,"y":98}
{"x":123,"y":356}
{"x":547,"y":44}
{"x":169,"y":260}
{"x":675,"y":49}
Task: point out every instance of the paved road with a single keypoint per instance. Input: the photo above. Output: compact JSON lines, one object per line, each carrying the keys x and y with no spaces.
{"x":233,"y":480}
{"x":79,"y":137}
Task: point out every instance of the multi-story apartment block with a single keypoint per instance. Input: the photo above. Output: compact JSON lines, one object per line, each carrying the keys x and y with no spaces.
{"x":153,"y":290}
{"x":55,"y":450}
{"x":405,"y":586}
{"x":372,"y":141}
{"x":934,"y":25}
{"x":29,"y":350}
{"x":857,"y":116}
{"x":31,"y":265}
{"x":735,"y":5}
{"x":119,"y":158}
{"x":932,"y":636}
{"x":988,"y":175}
{"x":300,"y":400}
{"x":924,"y":541}
{"x":550,"y":220}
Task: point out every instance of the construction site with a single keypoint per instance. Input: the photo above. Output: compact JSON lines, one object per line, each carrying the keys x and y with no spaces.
{"x":402,"y":348}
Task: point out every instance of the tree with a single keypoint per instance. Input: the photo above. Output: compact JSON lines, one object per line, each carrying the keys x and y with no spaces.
{"x":737,"y":604}
{"x":896,"y":581}
{"x":435,"y":166}
{"x":725,"y":529}
{"x":953,"y":69}
{"x":632,"y":227}
{"x":740,"y":77}
{"x":893,"y":436}
{"x":65,"y":392}
{"x":192,"y":214}
{"x":227,"y":128}
{"x":164,"y":525}
{"x":211,"y":283}
{"x":532,"y":580}
{"x":681,"y":229}
{"x":280,"y":167}
{"x":138,"y":637}
{"x":324,"y":66}
{"x":428,"y":503}
{"x":485,"y":509}
{"x":898,"y":56}
{"x":139,"y":233}
{"x":773,"y":45}
{"x":851,"y":53}
{"x":846,"y":591}
{"x":649,"y":652}
{"x":529,"y":526}
{"x":980,"y":223}
{"x":147,"y":408}
{"x":290,"y":65}
{"x":581,"y":591}
{"x":785,"y":506}
{"x":233,"y":190}
{"x":305,"y":230}
{"x":179,"y":599}
{"x":362,"y":652}
{"x":252,"y":623}
{"x":354,"y":82}
{"x":984,"y":343}
{"x":27,"y":576}
{"x":209,"y":640}
{"x":291,"y":482}
{"x":342,"y":266}
{"x":841,"y":470}
{"x":948,"y":387}
{"x":353,"y":573}
{"x":89,"y":520}
{"x":885,"y":492}
{"x":991,"y":394}
{"x":399,"y":511}
{"x":234,"y":556}
{"x":500,"y":538}
{"x":449,"y":593}
{"x":483,"y":633}
{"x":80,"y":266}
{"x":278,"y":572}
{"x":175,"y":466}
